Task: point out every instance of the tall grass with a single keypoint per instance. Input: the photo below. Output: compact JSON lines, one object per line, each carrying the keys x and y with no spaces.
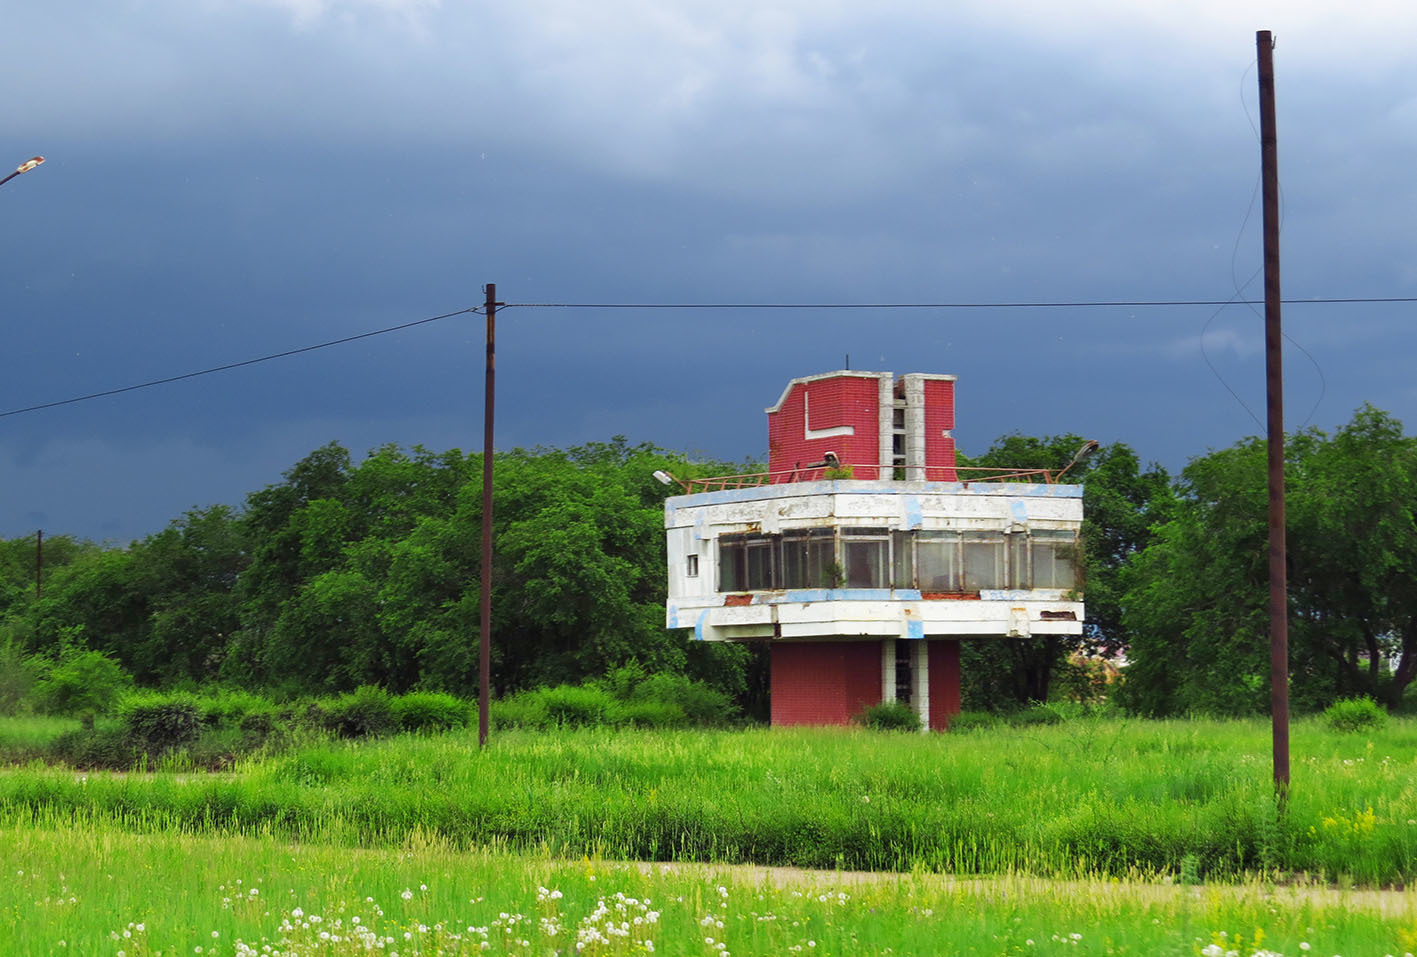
{"x":97,"y":890}
{"x":1182,"y":798}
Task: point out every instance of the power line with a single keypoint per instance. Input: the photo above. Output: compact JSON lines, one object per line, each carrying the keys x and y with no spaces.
{"x":235,"y":365}
{"x":1119,"y":303}
{"x":1109,"y":303}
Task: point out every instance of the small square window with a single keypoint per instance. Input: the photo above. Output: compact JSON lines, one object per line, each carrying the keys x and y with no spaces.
{"x":693,"y":567}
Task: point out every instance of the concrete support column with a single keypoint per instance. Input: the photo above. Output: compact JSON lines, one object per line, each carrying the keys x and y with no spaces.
{"x":920,"y":681}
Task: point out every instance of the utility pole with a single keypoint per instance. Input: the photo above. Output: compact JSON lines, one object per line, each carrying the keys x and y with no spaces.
{"x":38,"y":561}
{"x":484,"y":635}
{"x":1274,"y":392}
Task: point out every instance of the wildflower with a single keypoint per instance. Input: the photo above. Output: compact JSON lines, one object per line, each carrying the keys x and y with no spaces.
{"x":407,"y":894}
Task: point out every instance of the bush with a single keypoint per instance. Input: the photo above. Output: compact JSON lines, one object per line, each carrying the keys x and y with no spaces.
{"x":889,"y":716}
{"x":85,"y":683}
{"x":524,"y":710}
{"x":649,"y":714}
{"x":973,"y":721}
{"x":624,"y":681}
{"x":103,"y":749}
{"x":257,"y":725}
{"x":1038,"y":714}
{"x":701,"y":703}
{"x":18,"y":674}
{"x":430,"y":711}
{"x":1355,"y":714}
{"x":228,"y":709}
{"x":568,"y":706}
{"x":155,"y":723}
{"x":364,"y":713}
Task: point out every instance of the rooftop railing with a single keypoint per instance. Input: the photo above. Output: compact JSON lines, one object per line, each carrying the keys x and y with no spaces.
{"x":933,"y":473}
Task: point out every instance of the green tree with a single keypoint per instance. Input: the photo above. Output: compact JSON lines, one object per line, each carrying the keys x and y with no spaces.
{"x":1196,"y":600}
{"x":1121,"y":504}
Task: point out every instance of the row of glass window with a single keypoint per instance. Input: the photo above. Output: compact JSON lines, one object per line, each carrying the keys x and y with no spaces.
{"x":928,"y":560}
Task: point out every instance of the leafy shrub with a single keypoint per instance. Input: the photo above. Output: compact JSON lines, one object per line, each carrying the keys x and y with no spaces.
{"x":257,"y":725}
{"x":524,"y":710}
{"x":624,"y":681}
{"x":649,"y":714}
{"x":366,"y":712}
{"x":702,"y":703}
{"x":104,"y":749}
{"x":430,"y":711}
{"x":1355,"y":714}
{"x":84,"y":683}
{"x":974,"y":721}
{"x":155,"y":723}
{"x":889,"y":716}
{"x":228,"y":709}
{"x":569,"y":706}
{"x":1038,"y":714}
{"x":623,"y":697}
{"x":18,"y":674}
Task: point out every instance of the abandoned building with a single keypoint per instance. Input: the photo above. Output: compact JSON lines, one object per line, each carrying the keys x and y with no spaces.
{"x":863,"y":556}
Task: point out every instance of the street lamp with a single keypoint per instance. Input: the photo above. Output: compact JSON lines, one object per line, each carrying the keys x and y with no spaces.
{"x":24,"y":167}
{"x":1087,"y":449}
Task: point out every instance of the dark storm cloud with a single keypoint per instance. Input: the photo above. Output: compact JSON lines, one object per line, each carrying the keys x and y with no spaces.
{"x":229,"y":179}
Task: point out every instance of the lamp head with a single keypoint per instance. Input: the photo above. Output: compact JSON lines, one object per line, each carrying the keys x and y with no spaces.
{"x":663,"y":477}
{"x":1088,"y":447}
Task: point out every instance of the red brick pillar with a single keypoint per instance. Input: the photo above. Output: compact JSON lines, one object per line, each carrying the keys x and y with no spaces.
{"x":944,"y":682}
{"x":824,"y":682}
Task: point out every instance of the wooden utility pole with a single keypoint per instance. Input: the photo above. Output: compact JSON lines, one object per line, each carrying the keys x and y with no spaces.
{"x":1274,"y":392}
{"x":484,"y":635}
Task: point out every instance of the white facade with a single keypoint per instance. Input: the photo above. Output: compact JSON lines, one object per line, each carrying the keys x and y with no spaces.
{"x":880,"y":559}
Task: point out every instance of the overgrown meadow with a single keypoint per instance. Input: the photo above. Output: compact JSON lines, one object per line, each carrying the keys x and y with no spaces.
{"x":1140,"y":837}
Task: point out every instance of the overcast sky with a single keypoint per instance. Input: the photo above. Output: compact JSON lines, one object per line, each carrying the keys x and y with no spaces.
{"x":227,"y":179}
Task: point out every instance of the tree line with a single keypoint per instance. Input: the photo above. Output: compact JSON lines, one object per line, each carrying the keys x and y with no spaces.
{"x":346,"y":574}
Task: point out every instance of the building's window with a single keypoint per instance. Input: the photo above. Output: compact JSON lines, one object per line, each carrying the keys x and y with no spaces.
{"x":937,"y":561}
{"x":1054,"y":555}
{"x":808,"y":559}
{"x":904,"y":672}
{"x":692,"y":566}
{"x":902,"y":560}
{"x":745,"y":562}
{"x":983,"y":560}
{"x":866,"y":557}
{"x":931,"y":560}
{"x":1017,"y":546}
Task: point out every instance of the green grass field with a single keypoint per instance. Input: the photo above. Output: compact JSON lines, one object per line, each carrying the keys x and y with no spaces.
{"x":1093,"y":827}
{"x":104,"y":891}
{"x":1078,"y":799}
